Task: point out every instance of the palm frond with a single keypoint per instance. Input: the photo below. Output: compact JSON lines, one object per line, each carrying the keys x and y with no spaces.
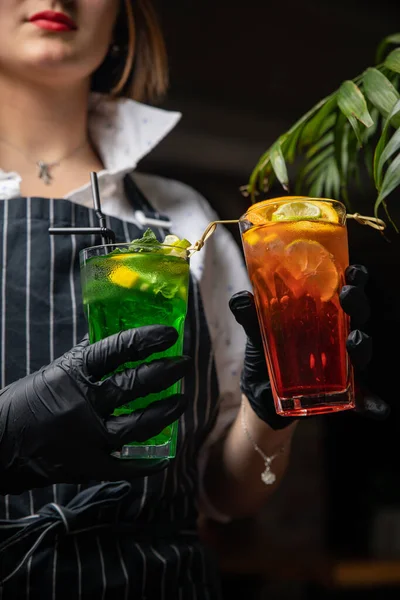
{"x":361,"y":118}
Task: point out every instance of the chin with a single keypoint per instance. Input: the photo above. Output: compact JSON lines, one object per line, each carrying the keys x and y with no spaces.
{"x":52,"y":61}
{"x":48,"y":53}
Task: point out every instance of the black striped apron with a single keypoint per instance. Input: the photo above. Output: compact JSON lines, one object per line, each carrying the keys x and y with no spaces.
{"x":133,"y":543}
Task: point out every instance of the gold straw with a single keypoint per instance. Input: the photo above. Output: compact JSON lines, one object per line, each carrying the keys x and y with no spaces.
{"x":371,"y":221}
{"x":211,"y":227}
{"x":209,"y":230}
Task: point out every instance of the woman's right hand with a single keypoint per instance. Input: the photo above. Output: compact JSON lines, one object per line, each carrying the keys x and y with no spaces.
{"x":56,"y":425}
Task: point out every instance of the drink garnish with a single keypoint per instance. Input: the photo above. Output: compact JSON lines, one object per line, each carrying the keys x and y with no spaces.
{"x":149,"y":243}
{"x":173,"y":240}
{"x":132,"y":269}
{"x":313,"y":267}
{"x":297,"y":211}
{"x":124,"y":277}
{"x":174,"y":245}
{"x":329,"y":213}
{"x":306,"y":211}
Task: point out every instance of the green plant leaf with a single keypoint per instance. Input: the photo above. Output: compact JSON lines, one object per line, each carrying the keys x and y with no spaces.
{"x":262,"y":164}
{"x":394,"y":38}
{"x":317,"y":187}
{"x":312,"y":129}
{"x":390,"y":182}
{"x":341,"y":146}
{"x":279,"y":165}
{"x":356,"y":128}
{"x":380,"y":91}
{"x":390,"y":148}
{"x":251,"y":188}
{"x":392,"y":61}
{"x":352,"y":103}
{"x":353,"y":158}
{"x":369,"y":160}
{"x":310,"y":169}
{"x":316,"y":172}
{"x":332,"y":181}
{"x":264,"y":177}
{"x":380,"y":147}
{"x":371,"y":131}
{"x":290,"y":144}
{"x":377,"y":155}
{"x":327,"y":125}
{"x":330,"y":135}
{"x":317,"y":160}
{"x":326,"y":140}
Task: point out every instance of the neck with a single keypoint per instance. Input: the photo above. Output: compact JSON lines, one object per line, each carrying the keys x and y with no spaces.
{"x":40,"y":123}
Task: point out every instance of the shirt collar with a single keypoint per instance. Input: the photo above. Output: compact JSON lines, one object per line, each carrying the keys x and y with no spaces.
{"x":124,"y":131}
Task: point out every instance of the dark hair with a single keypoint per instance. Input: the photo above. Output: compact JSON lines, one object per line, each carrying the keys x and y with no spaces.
{"x":136,"y":65}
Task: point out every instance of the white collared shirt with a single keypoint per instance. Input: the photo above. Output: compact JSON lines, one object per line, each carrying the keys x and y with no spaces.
{"x":123,"y":132}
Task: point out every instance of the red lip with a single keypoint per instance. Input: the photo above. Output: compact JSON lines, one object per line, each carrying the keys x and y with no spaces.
{"x":54,"y":21}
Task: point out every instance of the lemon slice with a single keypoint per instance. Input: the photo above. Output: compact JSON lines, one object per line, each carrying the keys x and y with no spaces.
{"x":297,"y":211}
{"x":123,"y":276}
{"x":313,"y":267}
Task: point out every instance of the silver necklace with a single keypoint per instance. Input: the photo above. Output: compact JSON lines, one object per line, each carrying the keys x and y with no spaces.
{"x":267,"y":476}
{"x":45,"y":168}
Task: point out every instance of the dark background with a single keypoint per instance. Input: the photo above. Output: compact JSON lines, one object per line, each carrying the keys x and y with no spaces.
{"x":242,"y":74}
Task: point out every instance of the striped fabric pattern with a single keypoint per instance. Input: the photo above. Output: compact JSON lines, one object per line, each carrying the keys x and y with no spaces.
{"x":42,"y":317}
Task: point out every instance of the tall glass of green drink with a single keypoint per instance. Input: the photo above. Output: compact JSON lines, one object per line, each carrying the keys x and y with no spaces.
{"x":130,"y":285}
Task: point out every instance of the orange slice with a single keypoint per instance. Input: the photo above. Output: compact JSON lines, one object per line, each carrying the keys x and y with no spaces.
{"x":328,"y":211}
{"x":313,"y":267}
{"x":254,"y":236}
{"x":257,"y":218}
{"x":251,"y":237}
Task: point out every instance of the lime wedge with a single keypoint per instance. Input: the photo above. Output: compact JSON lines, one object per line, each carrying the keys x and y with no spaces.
{"x":175,"y":246}
{"x":173,"y":240}
{"x":297,"y":211}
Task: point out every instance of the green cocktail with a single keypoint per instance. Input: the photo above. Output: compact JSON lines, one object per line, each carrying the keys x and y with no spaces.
{"x":131,"y":285}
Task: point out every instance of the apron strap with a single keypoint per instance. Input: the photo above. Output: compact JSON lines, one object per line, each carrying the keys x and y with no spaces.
{"x":145,"y":215}
{"x":97,"y":508}
{"x":94,"y":508}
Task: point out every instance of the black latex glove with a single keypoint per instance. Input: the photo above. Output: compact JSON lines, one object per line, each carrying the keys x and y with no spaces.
{"x":255,"y":382}
{"x":56,"y":424}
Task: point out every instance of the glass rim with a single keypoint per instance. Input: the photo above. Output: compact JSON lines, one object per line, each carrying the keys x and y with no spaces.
{"x":127,"y":244}
{"x":281,"y":199}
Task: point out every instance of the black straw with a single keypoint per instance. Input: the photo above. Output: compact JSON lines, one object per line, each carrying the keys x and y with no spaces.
{"x":107,"y":235}
{"x":96,"y":199}
{"x":97,"y":207}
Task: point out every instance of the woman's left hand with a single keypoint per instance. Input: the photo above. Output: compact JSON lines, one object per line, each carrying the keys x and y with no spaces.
{"x":255,"y":382}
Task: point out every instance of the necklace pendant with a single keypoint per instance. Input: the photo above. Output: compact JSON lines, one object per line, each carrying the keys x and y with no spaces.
{"x":44,"y":172}
{"x":267,"y":476}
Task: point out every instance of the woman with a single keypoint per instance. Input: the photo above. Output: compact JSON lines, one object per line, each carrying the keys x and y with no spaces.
{"x":62,"y":66}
